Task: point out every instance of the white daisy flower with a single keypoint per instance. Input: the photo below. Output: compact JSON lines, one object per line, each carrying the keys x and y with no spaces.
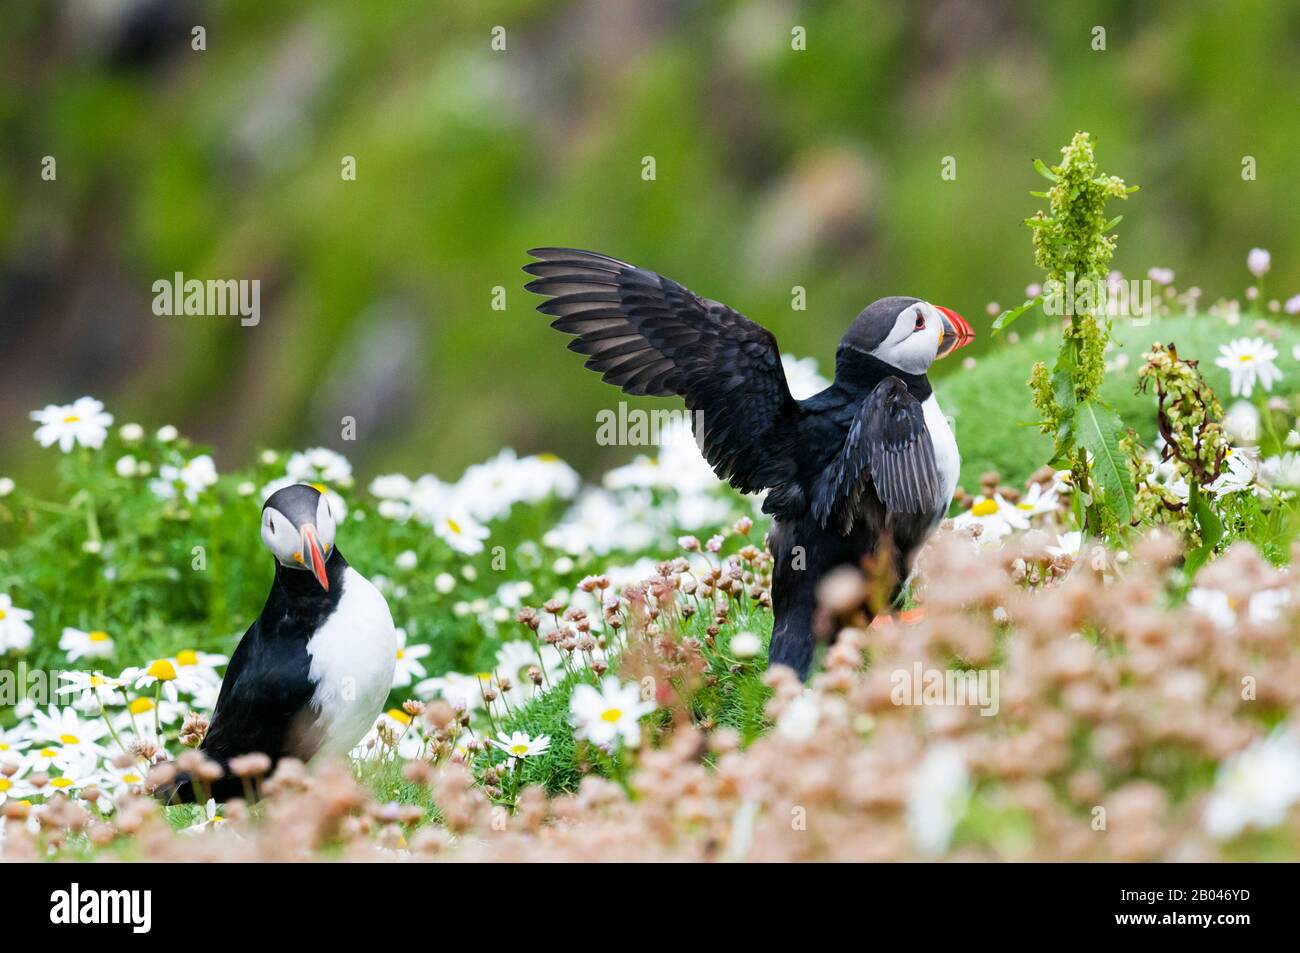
{"x":77,"y":739}
{"x":210,"y":819}
{"x":1256,"y":787}
{"x":119,"y":780}
{"x":1240,"y":475}
{"x":82,"y":422}
{"x":1067,"y":544}
{"x":171,"y":675}
{"x":13,"y":741}
{"x":408,"y":667}
{"x":603,"y":716}
{"x":802,"y":376}
{"x":993,"y":520}
{"x":394,"y":494}
{"x":192,"y":666}
{"x":1241,"y":422}
{"x":514,"y":659}
{"x":490,"y":489}
{"x":519,"y":745}
{"x":93,"y":690}
{"x":319,"y":465}
{"x":138,"y":715}
{"x":746,"y":645}
{"x":93,"y":644}
{"x":680,"y":455}
{"x":191,"y":479}
{"x":15,"y":633}
{"x":800,"y":719}
{"x":14,"y":786}
{"x":1214,"y":604}
{"x":75,"y":776}
{"x":459,"y":530}
{"x":462,"y":691}
{"x":1164,"y":474}
{"x":1283,"y":470}
{"x":1248,"y":360}
{"x":938,"y":798}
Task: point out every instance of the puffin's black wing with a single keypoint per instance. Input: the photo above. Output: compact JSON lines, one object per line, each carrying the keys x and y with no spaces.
{"x":888,"y":449}
{"x":264,"y":704}
{"x":650,"y":336}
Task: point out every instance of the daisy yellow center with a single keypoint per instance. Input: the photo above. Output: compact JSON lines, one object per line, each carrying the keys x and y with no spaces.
{"x":611,"y":715}
{"x":47,"y":752}
{"x":5,"y":784}
{"x":1246,"y":358}
{"x":61,"y":783}
{"x":68,"y":739}
{"x":71,"y":419}
{"x":97,"y":680}
{"x":1025,"y":506}
{"x":2,"y":614}
{"x":3,"y":746}
{"x":398,"y":715}
{"x":401,"y":653}
{"x":141,"y":705}
{"x":519,"y":749}
{"x":984,"y":508}
{"x":98,"y":635}
{"x":453,"y":526}
{"x":187,"y":657}
{"x":131,"y":779}
{"x":319,"y":488}
{"x":548,"y":457}
{"x":162,"y":669}
{"x":485,"y":676}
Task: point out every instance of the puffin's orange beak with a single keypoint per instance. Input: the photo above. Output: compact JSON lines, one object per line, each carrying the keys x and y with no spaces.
{"x":954,"y":332}
{"x":315,"y":560}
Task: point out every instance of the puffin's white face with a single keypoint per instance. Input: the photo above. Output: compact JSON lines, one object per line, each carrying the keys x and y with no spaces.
{"x":305,"y":545}
{"x":913,"y":343}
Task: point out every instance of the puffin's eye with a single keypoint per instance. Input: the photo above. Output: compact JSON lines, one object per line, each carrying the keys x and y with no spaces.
{"x":270,"y":524}
{"x":920,"y":321}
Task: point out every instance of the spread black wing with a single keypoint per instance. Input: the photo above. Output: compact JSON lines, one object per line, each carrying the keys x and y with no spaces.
{"x":887,"y":451}
{"x":650,"y":336}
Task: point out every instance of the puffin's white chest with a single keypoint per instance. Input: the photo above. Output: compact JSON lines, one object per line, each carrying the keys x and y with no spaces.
{"x":352,"y":659}
{"x":946,"y":455}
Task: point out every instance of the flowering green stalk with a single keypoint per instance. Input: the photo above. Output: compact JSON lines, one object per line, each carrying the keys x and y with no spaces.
{"x":1195,"y":446}
{"x":1072,"y":246}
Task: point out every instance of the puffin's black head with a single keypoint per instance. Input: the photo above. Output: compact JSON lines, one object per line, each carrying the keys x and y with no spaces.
{"x":298,"y":529}
{"x":906,"y":333}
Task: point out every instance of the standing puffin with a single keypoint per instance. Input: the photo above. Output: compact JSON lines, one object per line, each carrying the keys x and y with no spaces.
{"x":311,"y":674}
{"x":867,"y":466}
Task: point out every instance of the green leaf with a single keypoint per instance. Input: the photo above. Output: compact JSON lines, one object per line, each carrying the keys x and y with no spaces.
{"x":1098,"y":429}
{"x":1211,"y":527}
{"x":1112,"y":223}
{"x":1006,"y":317}
{"x":1044,"y":171}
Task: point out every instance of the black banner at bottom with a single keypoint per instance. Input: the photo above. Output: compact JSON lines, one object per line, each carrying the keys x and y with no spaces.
{"x":1216,"y":900}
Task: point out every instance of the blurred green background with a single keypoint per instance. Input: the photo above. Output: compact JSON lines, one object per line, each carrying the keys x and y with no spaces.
{"x":774,"y":168}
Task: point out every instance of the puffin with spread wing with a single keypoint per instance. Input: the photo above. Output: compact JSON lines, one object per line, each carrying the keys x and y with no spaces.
{"x":865,"y":468}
